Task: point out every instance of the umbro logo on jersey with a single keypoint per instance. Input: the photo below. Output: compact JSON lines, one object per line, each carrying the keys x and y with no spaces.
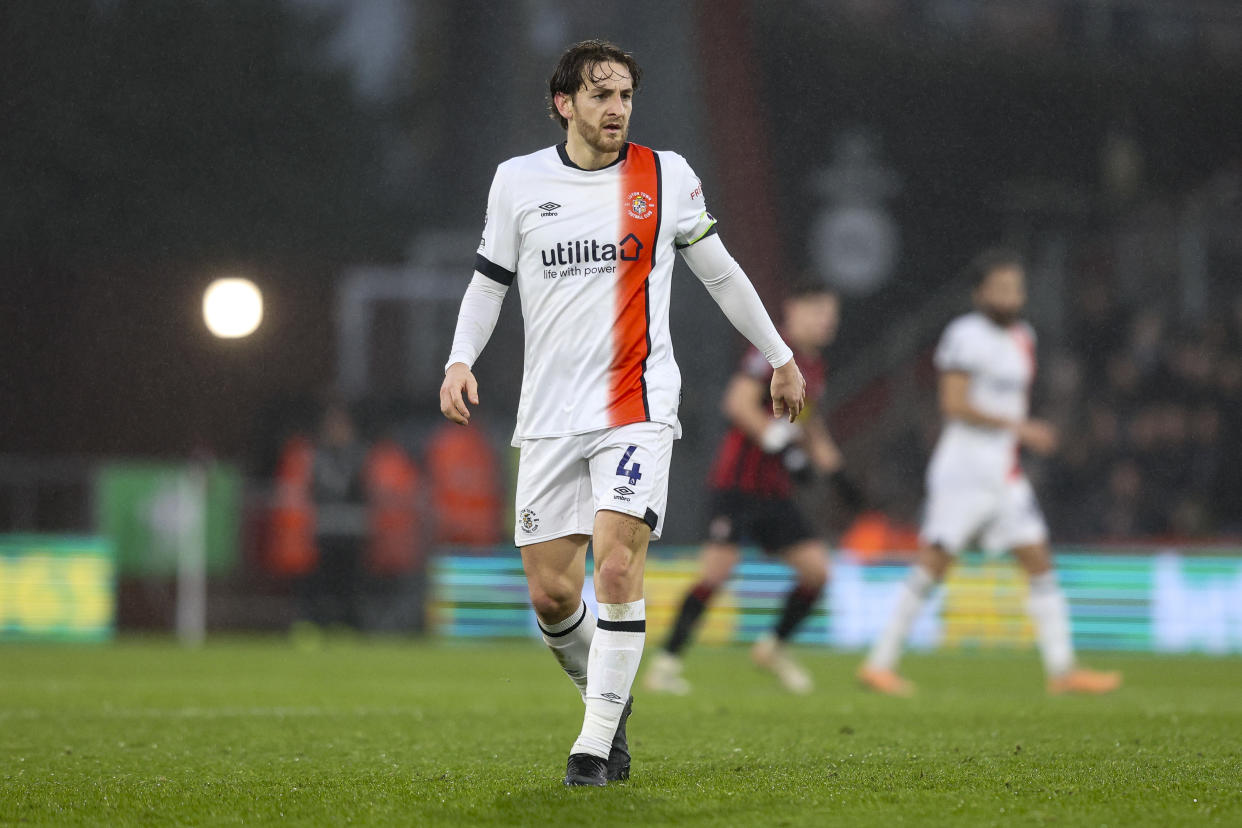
{"x":549,"y":208}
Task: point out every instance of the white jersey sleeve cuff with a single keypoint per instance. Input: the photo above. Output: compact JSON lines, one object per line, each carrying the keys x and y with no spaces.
{"x":737,"y":297}
{"x":480,"y":308}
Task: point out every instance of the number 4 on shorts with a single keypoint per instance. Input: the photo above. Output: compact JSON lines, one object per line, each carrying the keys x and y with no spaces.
{"x":632,"y":471}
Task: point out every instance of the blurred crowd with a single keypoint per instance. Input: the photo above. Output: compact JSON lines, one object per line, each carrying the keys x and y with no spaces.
{"x":1151,"y":419}
{"x":1210,"y":27}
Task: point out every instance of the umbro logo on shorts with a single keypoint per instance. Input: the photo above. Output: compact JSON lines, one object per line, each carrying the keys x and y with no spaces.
{"x":625,"y":491}
{"x":549,"y":208}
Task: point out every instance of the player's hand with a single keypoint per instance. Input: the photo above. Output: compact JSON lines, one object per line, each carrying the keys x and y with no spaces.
{"x":458,"y":380}
{"x":1040,"y":436}
{"x":788,"y":391}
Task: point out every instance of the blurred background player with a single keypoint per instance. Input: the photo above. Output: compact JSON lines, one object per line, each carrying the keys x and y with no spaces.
{"x":751,"y":491}
{"x":332,"y":594}
{"x":976,"y":488}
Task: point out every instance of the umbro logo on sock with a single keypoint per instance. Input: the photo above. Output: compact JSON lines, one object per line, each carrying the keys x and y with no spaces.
{"x":610,"y":696}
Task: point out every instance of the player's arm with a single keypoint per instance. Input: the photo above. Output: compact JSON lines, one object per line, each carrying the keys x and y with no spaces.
{"x":1037,"y":435}
{"x":829,"y":461}
{"x":740,"y":302}
{"x":743,"y":405}
{"x":495,"y":268}
{"x":480,"y":308}
{"x":825,"y":455}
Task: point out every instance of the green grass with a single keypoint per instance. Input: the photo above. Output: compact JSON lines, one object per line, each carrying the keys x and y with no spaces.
{"x":254,"y":731}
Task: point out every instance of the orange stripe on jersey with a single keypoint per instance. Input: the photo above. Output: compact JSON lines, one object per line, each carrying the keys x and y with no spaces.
{"x":631,"y":337}
{"x":1023,"y":340}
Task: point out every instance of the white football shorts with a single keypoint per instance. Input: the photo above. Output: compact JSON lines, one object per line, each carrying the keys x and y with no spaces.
{"x":999,"y":518}
{"x":563,"y":481}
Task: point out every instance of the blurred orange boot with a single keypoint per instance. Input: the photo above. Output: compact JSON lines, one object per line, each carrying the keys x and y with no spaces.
{"x":1081,"y":680}
{"x":884,"y":681}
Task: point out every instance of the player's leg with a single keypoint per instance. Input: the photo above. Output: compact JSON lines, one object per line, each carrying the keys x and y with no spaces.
{"x":953,"y":516}
{"x":1021,"y":527}
{"x":716,"y":563}
{"x":554,"y":573}
{"x":629,"y":479}
{"x":809,"y":561}
{"x":619,"y":546}
{"x":1049,"y":611}
{"x":554,"y":521}
{"x":879,"y":671}
{"x":785,"y":528}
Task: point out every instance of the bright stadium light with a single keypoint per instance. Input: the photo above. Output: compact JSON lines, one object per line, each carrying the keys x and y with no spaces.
{"x":232,"y":307}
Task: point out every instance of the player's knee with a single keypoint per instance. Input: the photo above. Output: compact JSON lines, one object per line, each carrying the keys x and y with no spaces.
{"x":554,"y":600}
{"x":617,"y":572}
{"x":935,"y":561}
{"x":1036,"y":560}
{"x":810,"y":562}
{"x":814,"y":577}
{"x":717,"y":565}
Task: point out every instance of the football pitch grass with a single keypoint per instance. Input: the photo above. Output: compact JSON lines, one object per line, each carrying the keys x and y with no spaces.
{"x":254,"y":731}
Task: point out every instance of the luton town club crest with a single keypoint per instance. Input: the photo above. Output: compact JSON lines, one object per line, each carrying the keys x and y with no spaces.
{"x":640,"y":205}
{"x":529,"y":521}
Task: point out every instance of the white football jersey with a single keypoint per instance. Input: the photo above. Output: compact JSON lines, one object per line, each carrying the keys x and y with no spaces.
{"x":1001,"y":365}
{"x":592,"y":254}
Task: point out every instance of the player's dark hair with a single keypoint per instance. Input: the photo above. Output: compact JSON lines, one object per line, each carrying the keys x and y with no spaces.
{"x":992,"y":259}
{"x":580,"y":63}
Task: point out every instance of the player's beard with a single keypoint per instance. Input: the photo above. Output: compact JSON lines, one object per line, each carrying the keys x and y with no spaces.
{"x":1004,"y":317}
{"x":600,"y":141}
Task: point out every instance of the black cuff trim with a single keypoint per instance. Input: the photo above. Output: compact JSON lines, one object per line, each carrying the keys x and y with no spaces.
{"x":651,"y":519}
{"x":568,"y":630}
{"x":711,"y":231}
{"x":622,"y":626}
{"x":492,"y":270}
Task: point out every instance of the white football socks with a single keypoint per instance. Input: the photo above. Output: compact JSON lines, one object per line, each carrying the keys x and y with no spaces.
{"x":570,"y":642}
{"x":1050,"y":612}
{"x":915,"y":591}
{"x":616,"y":650}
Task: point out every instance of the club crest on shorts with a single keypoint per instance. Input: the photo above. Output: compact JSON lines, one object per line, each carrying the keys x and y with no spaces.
{"x":528,"y":521}
{"x":639,"y":205}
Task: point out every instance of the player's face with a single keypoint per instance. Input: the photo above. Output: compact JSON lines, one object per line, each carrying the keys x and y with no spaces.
{"x":812,"y":320}
{"x":1002,"y":295}
{"x":601,"y":109}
